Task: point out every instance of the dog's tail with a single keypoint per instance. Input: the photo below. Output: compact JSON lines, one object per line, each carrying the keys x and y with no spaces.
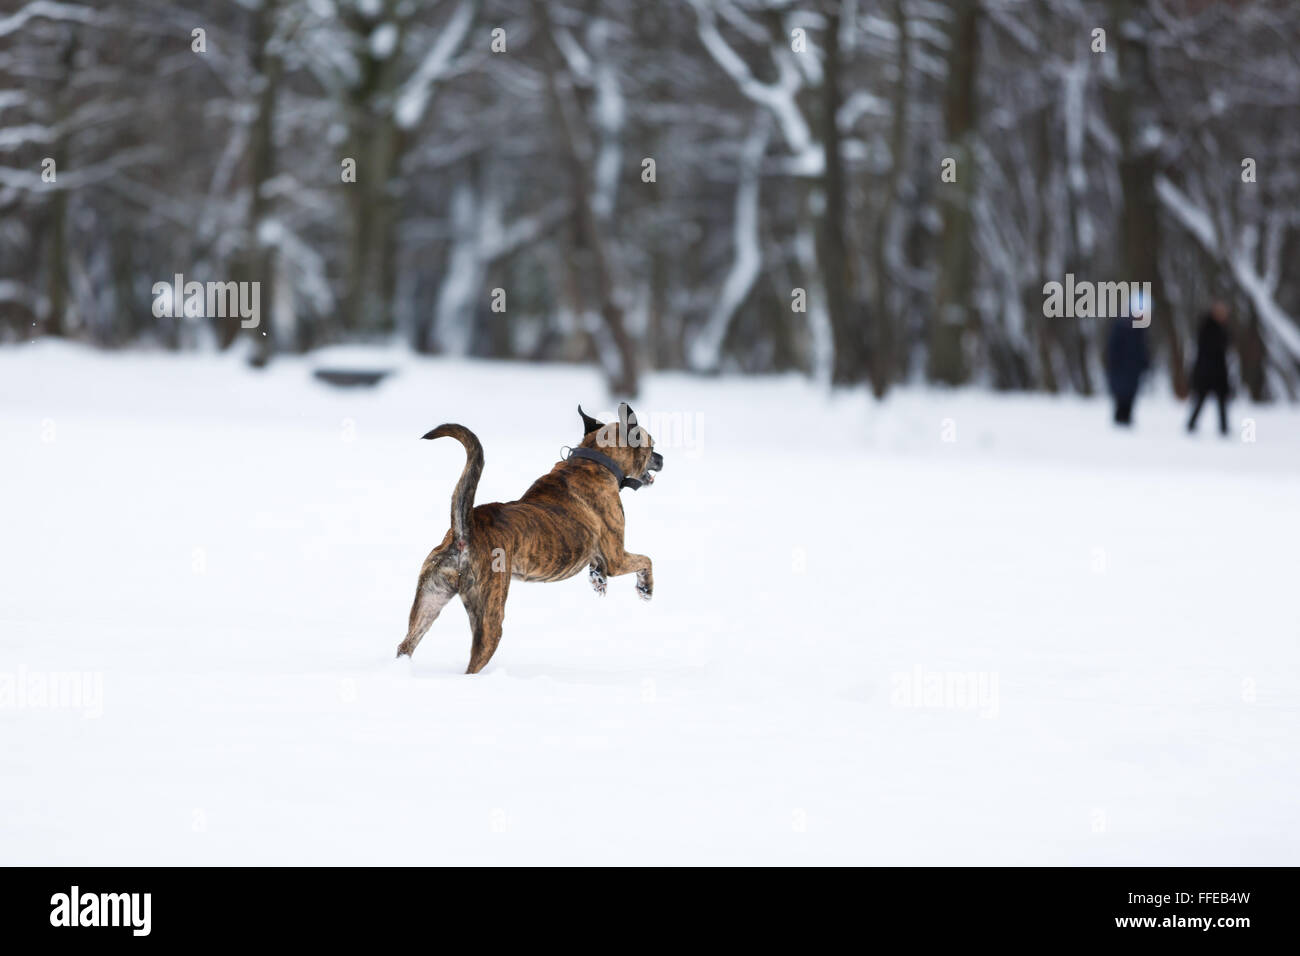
{"x":462,"y":499}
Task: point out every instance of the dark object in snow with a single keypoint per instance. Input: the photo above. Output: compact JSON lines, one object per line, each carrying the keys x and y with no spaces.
{"x":352,"y":377}
{"x":1127,"y":359}
{"x":1210,"y":371}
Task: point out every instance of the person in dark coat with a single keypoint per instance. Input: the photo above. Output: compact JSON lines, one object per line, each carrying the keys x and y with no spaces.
{"x":1127,"y":359}
{"x":1210,"y":373}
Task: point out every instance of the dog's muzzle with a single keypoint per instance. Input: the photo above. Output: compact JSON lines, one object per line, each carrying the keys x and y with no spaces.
{"x":655,"y":463}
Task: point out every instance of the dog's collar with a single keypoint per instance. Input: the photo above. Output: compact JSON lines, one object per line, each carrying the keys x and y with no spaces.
{"x":602,"y":459}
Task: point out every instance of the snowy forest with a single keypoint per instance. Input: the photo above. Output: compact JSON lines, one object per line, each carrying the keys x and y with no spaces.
{"x":869,"y":192}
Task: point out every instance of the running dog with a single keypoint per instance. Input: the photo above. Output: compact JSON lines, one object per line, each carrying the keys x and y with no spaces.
{"x":569,"y":519}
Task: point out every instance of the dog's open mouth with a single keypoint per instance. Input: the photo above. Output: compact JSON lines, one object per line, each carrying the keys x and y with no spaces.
{"x":655,"y":462}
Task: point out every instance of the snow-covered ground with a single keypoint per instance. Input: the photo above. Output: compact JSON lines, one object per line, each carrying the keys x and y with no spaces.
{"x":952,"y":628}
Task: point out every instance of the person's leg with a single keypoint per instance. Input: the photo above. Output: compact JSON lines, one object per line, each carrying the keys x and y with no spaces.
{"x":1223,"y":411}
{"x":1198,"y":399}
{"x":1123,"y":409}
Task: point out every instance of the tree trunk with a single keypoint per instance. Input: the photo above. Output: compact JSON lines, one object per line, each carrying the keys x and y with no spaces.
{"x":1251,"y":358}
{"x":884,"y":360}
{"x":574,"y":133}
{"x":1131,"y":106}
{"x":462,"y":281}
{"x":376,"y":143}
{"x":368,"y":302}
{"x":953,"y":315}
{"x":259,"y":256}
{"x":57,"y":289}
{"x":847,"y":324}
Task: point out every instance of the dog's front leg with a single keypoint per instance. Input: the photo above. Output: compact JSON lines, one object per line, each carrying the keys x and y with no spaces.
{"x":597,"y":575}
{"x":626,"y":563}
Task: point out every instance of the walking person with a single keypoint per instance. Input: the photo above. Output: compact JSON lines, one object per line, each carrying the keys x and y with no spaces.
{"x":1127,"y":359}
{"x":1210,"y":373}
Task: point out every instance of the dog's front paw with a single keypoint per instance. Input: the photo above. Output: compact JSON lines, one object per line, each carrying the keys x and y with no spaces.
{"x":598,"y":581}
{"x":645,"y":585}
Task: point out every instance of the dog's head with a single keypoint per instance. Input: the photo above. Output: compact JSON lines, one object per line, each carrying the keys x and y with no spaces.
{"x":626,"y":442}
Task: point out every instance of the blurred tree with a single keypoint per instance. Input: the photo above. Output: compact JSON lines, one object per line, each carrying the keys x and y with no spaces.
{"x":793,"y":215}
{"x":954,"y":318}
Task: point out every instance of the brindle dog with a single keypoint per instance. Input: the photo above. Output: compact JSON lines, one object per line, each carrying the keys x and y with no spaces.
{"x":569,"y":519}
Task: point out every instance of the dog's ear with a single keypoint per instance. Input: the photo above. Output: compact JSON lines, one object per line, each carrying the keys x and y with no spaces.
{"x":589,"y":424}
{"x":632,"y":433}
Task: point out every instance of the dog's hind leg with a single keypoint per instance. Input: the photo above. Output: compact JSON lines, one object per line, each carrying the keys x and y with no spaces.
{"x":429,"y":602}
{"x":486,"y":614}
{"x":438,"y":583}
